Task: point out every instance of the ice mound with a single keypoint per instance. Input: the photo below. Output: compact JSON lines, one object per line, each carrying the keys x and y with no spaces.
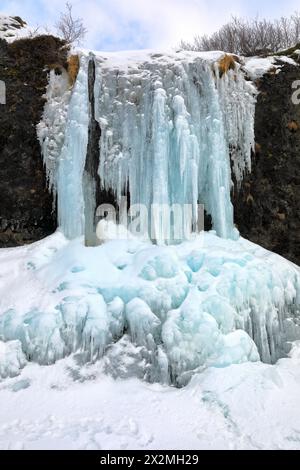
{"x":12,"y":359}
{"x":206,"y":302}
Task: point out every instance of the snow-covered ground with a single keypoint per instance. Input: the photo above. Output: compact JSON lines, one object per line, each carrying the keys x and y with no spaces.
{"x":67,"y":406}
{"x":148,"y":323}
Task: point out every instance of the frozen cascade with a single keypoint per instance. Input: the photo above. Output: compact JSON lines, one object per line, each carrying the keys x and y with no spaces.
{"x":169,"y":124}
{"x":63,"y":134}
{"x":51,"y":130}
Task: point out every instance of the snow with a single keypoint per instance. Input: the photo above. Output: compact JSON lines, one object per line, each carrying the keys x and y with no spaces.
{"x":256,"y":67}
{"x":11,"y":29}
{"x":288,"y":60}
{"x":70,"y":406}
{"x":183,"y":308}
{"x":12,"y":359}
{"x":125,"y":61}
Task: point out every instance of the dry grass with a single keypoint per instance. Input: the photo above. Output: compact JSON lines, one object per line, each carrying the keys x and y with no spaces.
{"x":293,"y":126}
{"x":226,"y":63}
{"x":73,"y":68}
{"x":257,"y":148}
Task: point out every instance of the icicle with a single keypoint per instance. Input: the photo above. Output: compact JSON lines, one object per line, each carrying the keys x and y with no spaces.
{"x":51,"y":130}
{"x":70,"y":200}
{"x":167,"y":128}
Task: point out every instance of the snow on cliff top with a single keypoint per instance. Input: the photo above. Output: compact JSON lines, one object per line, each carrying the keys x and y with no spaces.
{"x":13,"y":27}
{"x":124,"y":60}
{"x":255,"y":67}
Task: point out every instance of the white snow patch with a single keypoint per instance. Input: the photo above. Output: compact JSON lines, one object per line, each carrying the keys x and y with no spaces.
{"x":70,"y":406}
{"x":129,"y":60}
{"x":256,"y":67}
{"x":12,"y":29}
{"x":288,"y":60}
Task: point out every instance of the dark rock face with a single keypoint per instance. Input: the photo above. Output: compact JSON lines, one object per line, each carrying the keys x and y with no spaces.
{"x":26,"y":213}
{"x":267,"y":208}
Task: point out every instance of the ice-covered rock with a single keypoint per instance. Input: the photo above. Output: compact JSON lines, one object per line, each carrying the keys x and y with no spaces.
{"x":193,"y":338}
{"x":12,"y":359}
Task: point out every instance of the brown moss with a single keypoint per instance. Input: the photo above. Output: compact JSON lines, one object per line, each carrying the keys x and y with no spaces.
{"x":273,"y":71}
{"x":56,"y":66}
{"x":250,"y":199}
{"x":293,"y":126}
{"x":281,"y":216}
{"x":257,"y":148}
{"x":73,"y":68}
{"x":288,"y":52}
{"x":226,"y":63}
{"x":45,"y":49}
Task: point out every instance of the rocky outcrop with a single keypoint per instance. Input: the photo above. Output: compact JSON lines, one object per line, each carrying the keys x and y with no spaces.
{"x":267,"y":209}
{"x":26,"y":211}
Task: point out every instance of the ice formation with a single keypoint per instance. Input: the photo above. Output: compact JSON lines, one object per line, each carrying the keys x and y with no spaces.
{"x":169,"y":124}
{"x":12,"y":359}
{"x":158,"y":312}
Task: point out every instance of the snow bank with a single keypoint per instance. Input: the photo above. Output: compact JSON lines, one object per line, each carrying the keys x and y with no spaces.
{"x":74,"y":406}
{"x":207,"y":302}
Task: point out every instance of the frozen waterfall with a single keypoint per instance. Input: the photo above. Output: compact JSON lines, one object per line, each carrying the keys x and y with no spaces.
{"x":164,"y":129}
{"x":169,"y":124}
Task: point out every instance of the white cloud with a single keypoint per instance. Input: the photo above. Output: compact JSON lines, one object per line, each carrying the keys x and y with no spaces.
{"x":119,"y":24}
{"x":144,"y":23}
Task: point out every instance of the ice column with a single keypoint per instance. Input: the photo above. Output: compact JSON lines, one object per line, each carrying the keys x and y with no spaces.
{"x":168,"y":128}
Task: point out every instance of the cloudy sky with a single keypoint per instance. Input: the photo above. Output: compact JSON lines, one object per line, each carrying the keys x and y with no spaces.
{"x":137,"y":24}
